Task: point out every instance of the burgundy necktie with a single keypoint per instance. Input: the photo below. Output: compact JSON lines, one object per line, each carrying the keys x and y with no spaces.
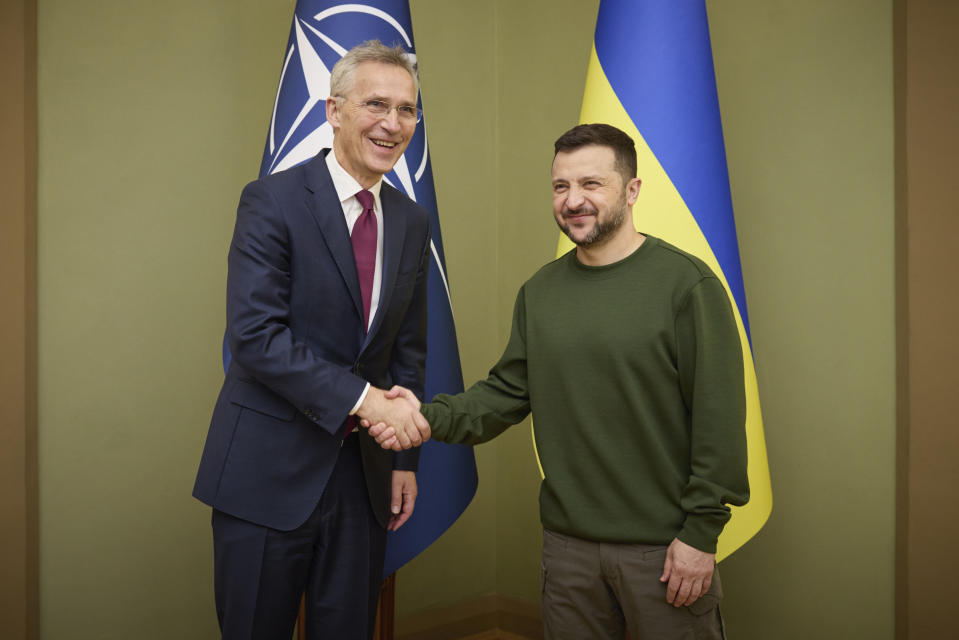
{"x":363,"y":240}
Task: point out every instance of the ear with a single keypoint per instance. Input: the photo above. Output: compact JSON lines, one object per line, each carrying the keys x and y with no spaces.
{"x":333,"y":112}
{"x":632,"y":191}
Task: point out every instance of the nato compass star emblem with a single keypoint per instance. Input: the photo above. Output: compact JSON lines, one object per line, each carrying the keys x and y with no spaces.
{"x":298,"y":126}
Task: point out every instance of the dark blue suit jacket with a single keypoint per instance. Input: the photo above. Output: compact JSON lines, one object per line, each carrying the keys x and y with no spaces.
{"x":300,"y":356}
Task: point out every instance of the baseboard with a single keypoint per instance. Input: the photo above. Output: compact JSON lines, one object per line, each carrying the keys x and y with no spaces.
{"x":484,"y":614}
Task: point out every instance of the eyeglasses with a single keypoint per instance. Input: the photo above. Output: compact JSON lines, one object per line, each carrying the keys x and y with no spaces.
{"x":407,"y":112}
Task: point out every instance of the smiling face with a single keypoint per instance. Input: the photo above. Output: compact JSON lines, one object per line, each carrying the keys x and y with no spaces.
{"x":367,"y":145}
{"x":591,"y":203}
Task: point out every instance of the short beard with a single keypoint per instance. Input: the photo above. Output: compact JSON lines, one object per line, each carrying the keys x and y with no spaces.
{"x":601,"y":230}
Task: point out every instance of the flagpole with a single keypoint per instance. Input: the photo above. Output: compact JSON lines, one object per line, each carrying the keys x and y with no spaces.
{"x":385,"y":609}
{"x":385,"y":612}
{"x":301,"y":620}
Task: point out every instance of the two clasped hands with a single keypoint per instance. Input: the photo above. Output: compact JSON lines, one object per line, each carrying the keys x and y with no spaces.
{"x":393,"y":418}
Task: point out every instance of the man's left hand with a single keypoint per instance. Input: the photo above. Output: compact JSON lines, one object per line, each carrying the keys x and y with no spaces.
{"x":688,"y":572}
{"x":403,"y":498}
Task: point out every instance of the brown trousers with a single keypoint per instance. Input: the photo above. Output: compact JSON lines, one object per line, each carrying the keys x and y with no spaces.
{"x":593,"y":591}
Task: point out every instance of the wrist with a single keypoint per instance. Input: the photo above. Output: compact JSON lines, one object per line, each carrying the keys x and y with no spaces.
{"x":371,"y":402}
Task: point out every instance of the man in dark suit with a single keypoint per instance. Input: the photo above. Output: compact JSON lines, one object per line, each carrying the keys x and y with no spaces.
{"x":326,"y":307}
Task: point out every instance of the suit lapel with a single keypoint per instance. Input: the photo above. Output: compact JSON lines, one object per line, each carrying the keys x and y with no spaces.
{"x":394,"y":234}
{"x":327,"y":212}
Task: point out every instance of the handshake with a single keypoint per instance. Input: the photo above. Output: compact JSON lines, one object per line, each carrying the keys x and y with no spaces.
{"x":393,"y":418}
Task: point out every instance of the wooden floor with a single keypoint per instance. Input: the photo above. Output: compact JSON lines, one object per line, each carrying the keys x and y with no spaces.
{"x":494,"y":635}
{"x":489,"y":617}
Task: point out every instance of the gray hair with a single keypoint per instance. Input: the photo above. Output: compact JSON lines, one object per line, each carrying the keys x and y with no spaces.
{"x":341,"y":78}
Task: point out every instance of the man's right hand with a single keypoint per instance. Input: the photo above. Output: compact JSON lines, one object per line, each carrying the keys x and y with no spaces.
{"x":397,"y":421}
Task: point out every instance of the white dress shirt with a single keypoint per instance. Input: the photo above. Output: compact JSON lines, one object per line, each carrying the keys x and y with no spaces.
{"x":346,"y":187}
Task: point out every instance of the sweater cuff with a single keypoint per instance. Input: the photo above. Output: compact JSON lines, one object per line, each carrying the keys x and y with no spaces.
{"x":432,"y":414}
{"x":701,"y":532}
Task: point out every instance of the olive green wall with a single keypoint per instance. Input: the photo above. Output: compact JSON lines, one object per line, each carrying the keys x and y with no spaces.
{"x":806,"y":91}
{"x":459,"y":92}
{"x":494,"y":243}
{"x":152,"y":117}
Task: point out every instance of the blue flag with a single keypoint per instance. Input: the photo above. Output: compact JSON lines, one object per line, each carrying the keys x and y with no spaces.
{"x":322,"y":31}
{"x":651,"y":75}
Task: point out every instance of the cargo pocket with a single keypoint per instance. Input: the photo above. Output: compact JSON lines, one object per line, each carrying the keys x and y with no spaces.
{"x":709,"y":620}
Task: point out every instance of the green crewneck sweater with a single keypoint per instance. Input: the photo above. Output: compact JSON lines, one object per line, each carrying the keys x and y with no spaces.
{"x":634,"y":374}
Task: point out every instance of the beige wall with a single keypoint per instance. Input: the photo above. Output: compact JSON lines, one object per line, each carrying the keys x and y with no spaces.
{"x":928,"y":303}
{"x":18,"y":322}
{"x":152,"y":116}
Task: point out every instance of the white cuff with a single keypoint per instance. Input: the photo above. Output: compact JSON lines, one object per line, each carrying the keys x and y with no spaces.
{"x":356,"y":407}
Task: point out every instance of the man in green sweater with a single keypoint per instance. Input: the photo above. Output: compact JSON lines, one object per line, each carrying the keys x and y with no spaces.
{"x":627,"y":353}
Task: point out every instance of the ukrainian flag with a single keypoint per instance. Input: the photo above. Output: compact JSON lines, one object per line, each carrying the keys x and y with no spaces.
{"x":651,"y":75}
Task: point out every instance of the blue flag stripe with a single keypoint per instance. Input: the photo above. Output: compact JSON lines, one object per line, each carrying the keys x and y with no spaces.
{"x":670,"y":50}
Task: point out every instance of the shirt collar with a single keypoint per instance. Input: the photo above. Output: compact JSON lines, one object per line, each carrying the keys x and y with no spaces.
{"x":346,"y":185}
